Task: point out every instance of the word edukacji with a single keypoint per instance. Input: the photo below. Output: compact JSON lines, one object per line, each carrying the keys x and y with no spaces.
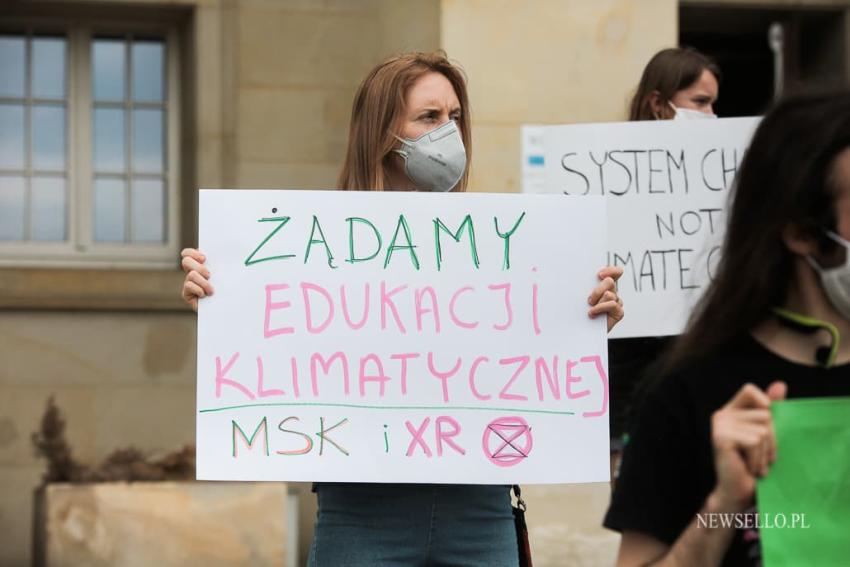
{"x":393,"y":307}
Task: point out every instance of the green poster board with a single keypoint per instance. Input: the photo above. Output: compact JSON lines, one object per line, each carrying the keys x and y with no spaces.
{"x":808,"y":487}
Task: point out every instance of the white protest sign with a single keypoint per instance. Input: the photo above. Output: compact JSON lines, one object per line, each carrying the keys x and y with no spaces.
{"x":666,"y":183}
{"x":401,"y":337}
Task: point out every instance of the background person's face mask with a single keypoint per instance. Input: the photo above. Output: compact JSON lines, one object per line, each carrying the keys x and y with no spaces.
{"x":689,"y":113}
{"x":436,"y":160}
{"x":836,"y":281}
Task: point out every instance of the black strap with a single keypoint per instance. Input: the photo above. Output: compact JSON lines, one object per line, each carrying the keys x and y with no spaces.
{"x":523,"y":546}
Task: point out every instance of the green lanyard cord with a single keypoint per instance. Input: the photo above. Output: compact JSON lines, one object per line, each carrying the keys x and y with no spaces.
{"x":826,"y":356}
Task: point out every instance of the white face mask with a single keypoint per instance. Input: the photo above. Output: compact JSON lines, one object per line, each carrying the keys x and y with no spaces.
{"x":836,"y":281}
{"x":689,"y":113}
{"x":436,"y":160}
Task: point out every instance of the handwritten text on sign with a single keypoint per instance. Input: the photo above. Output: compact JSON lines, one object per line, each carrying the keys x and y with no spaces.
{"x":401,"y":337}
{"x":666,"y":183}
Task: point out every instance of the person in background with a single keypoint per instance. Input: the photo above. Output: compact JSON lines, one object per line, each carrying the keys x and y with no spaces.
{"x":677,"y":83}
{"x":408,"y":108}
{"x":770,"y":326}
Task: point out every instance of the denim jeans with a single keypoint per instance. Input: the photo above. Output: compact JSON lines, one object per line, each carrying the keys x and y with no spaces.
{"x":413,"y":525}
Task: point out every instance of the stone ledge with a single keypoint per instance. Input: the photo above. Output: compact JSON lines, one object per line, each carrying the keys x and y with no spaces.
{"x":91,"y":289}
{"x":165,"y":523}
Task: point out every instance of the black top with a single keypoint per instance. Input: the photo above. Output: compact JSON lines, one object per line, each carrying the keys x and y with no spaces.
{"x":629,"y":360}
{"x":668,"y":468}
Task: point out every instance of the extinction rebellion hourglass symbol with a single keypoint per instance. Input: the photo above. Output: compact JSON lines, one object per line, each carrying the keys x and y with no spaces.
{"x":507,"y":441}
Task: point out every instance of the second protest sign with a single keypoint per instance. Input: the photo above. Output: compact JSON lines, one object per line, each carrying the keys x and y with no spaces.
{"x":667,"y":184}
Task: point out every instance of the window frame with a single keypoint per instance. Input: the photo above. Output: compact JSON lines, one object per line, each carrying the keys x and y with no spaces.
{"x":80,"y":250}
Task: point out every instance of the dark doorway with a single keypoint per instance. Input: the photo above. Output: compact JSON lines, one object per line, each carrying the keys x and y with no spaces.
{"x":813,"y":51}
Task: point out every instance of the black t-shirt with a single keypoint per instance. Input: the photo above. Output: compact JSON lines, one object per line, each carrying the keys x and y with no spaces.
{"x":668,"y":468}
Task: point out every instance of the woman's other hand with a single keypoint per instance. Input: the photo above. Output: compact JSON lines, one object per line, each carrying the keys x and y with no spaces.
{"x":196,"y":285}
{"x":604,"y":298}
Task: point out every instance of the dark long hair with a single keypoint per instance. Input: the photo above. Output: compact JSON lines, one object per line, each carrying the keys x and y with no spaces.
{"x":785,"y":180}
{"x":669,"y":71}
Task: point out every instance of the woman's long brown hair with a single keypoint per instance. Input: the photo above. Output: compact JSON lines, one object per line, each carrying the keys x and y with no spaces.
{"x":377,"y":112}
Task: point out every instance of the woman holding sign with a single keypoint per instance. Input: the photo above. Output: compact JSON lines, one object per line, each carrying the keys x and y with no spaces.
{"x":410,"y":131}
{"x":768,"y":328}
